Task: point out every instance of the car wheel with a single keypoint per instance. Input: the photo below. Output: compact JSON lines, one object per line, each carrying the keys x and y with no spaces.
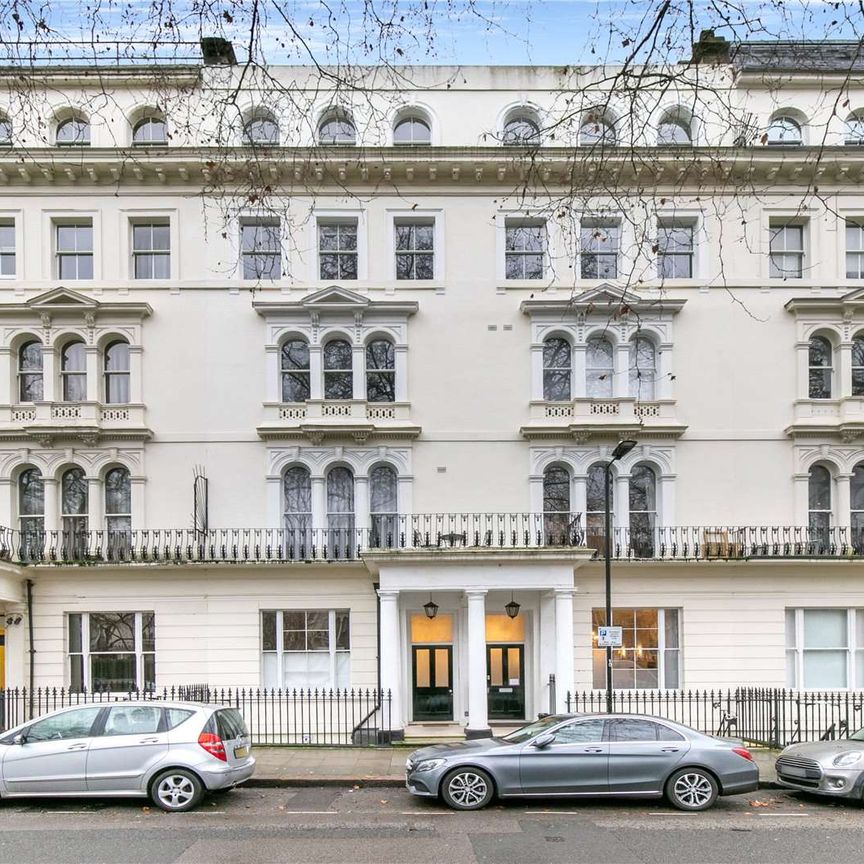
{"x":176,"y":790}
{"x":692,"y":789}
{"x":467,"y":789}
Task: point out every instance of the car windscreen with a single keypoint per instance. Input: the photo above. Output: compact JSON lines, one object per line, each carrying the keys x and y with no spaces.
{"x":230,"y":724}
{"x":532,"y":729}
{"x":857,"y":736}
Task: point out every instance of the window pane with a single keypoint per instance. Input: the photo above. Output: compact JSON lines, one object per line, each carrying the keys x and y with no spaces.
{"x":634,"y":730}
{"x":825,"y":669}
{"x":825,"y":628}
{"x":118,"y":492}
{"x":819,"y":488}
{"x":137,"y":720}
{"x":75,"y":492}
{"x":584,"y":732}
{"x":65,"y":726}
{"x":112,"y":631}
{"x":112,"y":672}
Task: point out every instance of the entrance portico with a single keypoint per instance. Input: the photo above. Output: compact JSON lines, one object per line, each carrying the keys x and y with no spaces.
{"x":466,"y":659}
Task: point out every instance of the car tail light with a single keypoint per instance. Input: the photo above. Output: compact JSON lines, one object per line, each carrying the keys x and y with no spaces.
{"x":744,"y":753}
{"x":212,"y":743}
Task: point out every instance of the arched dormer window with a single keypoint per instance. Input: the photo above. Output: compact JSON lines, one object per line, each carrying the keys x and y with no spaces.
{"x":73,"y":132}
{"x":853,"y":134}
{"x":821,"y":368}
{"x":556,"y":505}
{"x":785,"y":131}
{"x":337,"y":128}
{"x":31,"y":386}
{"x":412,"y":130}
{"x":596,"y":131}
{"x":116,"y":366}
{"x":643,"y":369}
{"x":520,"y":130}
{"x":5,"y":131}
{"x":643,"y":510}
{"x":674,"y":130}
{"x":294,"y":367}
{"x":380,"y":371}
{"x":338,"y":370}
{"x":557,"y":370}
{"x":261,"y":129}
{"x":599,"y":368}
{"x":150,"y":131}
{"x":383,"y":494}
{"x":819,"y":507}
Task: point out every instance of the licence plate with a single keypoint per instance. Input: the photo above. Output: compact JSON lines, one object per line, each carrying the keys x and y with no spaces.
{"x":793,"y":771}
{"x":241,"y":752}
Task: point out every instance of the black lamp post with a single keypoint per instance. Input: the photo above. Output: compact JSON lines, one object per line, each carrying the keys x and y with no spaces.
{"x":621,"y":449}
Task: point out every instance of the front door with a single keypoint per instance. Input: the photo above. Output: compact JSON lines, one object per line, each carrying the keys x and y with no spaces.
{"x":505,"y":674}
{"x":432,"y":668}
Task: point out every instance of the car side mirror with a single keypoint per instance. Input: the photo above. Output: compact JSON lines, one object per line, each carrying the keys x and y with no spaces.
{"x":543,"y":741}
{"x":20,"y":738}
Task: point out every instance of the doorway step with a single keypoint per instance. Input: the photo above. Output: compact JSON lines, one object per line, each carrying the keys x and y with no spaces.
{"x":433,"y":733}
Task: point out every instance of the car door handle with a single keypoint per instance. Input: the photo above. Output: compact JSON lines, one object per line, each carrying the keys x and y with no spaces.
{"x":148,"y":740}
{"x":669,"y":749}
{"x":77,"y":747}
{"x":594,"y":750}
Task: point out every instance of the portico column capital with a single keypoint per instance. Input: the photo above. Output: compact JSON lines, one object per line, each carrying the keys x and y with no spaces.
{"x":565,"y":593}
{"x":388,"y":594}
{"x":476,"y":593}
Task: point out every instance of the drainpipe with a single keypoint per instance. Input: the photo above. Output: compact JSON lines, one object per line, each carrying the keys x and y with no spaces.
{"x":31,"y":649}
{"x":375,"y":587}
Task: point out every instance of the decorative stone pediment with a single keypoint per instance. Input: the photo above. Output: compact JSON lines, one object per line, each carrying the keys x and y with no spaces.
{"x":606,"y":300}
{"x":336,"y":299}
{"x":62,"y":298}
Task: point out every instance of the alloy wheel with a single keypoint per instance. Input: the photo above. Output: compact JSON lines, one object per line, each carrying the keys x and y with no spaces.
{"x":693,"y":790}
{"x":468,"y":789}
{"x":175,"y":791}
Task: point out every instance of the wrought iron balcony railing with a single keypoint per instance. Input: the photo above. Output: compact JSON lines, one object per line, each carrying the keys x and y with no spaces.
{"x":426,"y":532}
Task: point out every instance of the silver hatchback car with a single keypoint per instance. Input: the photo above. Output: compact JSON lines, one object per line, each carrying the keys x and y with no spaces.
{"x":833,"y":768}
{"x":568,"y":755}
{"x":171,"y":752}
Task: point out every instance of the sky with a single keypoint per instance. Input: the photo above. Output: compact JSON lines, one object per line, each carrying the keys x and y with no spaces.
{"x":555,"y":32}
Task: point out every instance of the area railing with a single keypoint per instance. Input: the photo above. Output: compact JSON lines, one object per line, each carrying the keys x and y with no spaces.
{"x":769,"y":716}
{"x":322,"y":717}
{"x":424,"y":532}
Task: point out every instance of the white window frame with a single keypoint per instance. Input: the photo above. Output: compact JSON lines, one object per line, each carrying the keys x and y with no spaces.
{"x":85,"y":652}
{"x":514,"y":221}
{"x":77,"y":222}
{"x":677,"y":222}
{"x":7,"y":220}
{"x":250,"y":219}
{"x":776,"y":223}
{"x":280,"y":648}
{"x":602,"y":222}
{"x":134,"y":254}
{"x":436,"y":217}
{"x":855,"y":222}
{"x":323,"y":217}
{"x":854,"y":651}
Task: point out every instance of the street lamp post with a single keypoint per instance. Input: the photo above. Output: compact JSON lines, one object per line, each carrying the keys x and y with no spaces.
{"x":621,"y":449}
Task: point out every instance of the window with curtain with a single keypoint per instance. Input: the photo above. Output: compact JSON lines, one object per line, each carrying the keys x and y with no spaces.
{"x":381,"y":371}
{"x":118,"y":507}
{"x":821,"y":362}
{"x":297,"y":501}
{"x":643,"y":369}
{"x":599,"y":364}
{"x":557,"y":370}
{"x":556,"y":505}
{"x":595,"y":506}
{"x":825,"y":648}
{"x":73,"y":248}
{"x":340,"y":509}
{"x":30,"y":381}
{"x":819,"y":504}
{"x":74,"y":507}
{"x":643,"y":510}
{"x":31,"y":513}
{"x":73,"y":372}
{"x":116,"y":360}
{"x":338,"y":370}
{"x":294,"y":367}
{"x":383,"y":495}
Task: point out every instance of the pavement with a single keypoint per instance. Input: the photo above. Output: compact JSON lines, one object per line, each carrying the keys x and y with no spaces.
{"x":378,"y":766}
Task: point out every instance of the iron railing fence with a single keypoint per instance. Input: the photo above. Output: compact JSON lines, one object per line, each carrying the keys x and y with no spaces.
{"x":768,"y":716}
{"x":425,"y":531}
{"x":274,"y":716}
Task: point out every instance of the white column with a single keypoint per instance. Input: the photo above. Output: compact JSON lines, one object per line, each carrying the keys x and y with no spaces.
{"x":578,"y":387}
{"x":842,"y":384}
{"x":391,"y":655}
{"x":274,"y":502}
{"x":362,"y":517}
{"x":663,"y":387}
{"x":8,"y":378}
{"x":801,"y":485}
{"x":667,"y":501}
{"x":843,"y":504}
{"x":136,"y":386}
{"x":139,"y":508}
{"x":319,"y":508}
{"x":272,"y":374}
{"x":478,"y":711}
{"x":401,"y":373}
{"x":803,"y":358}
{"x":580,"y":496}
{"x":92,"y":367}
{"x":621,"y":501}
{"x":8,"y":502}
{"x":95,"y":519}
{"x":51,"y":390}
{"x":52,"y":504}
{"x":316,"y":375}
{"x":537,"y":371}
{"x":358,"y":372}
{"x":564,"y":667}
{"x":621,"y":364}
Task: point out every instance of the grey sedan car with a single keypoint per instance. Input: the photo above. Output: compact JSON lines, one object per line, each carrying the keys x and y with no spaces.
{"x":171,"y":752}
{"x":833,"y":768}
{"x":569,"y":755}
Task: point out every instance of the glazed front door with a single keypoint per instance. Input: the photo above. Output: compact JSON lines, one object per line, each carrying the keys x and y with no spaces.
{"x":432,"y":667}
{"x":505,"y":670}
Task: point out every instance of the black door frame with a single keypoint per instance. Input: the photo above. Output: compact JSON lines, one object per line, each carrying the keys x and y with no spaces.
{"x":432,"y":647}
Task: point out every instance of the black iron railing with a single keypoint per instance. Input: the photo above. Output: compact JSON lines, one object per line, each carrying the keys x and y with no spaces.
{"x":274,"y":716}
{"x":772,"y":717}
{"x":427,"y":531}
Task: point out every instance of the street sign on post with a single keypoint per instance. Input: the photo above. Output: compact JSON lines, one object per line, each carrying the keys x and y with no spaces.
{"x":609,"y":637}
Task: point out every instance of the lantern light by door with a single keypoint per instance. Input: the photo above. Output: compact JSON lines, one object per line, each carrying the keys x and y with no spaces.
{"x":430,"y":608}
{"x":512,"y":608}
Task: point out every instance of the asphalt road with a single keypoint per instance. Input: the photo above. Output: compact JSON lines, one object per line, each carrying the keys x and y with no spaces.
{"x":335,"y":826}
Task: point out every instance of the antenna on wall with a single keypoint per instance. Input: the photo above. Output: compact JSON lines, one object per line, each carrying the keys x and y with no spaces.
{"x":201,"y":500}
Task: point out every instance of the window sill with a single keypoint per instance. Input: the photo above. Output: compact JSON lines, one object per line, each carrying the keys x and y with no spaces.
{"x":86,"y":421}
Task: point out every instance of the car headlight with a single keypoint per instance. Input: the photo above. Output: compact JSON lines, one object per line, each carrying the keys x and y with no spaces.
{"x":846,"y":760}
{"x":428,"y":764}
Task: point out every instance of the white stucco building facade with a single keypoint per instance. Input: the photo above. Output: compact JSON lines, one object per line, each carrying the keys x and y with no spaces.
{"x":401,"y":357}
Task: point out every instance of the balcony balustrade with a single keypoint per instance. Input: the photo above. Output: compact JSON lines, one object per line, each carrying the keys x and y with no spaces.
{"x":46,"y":422}
{"x":428,"y":532}
{"x":836,"y":417}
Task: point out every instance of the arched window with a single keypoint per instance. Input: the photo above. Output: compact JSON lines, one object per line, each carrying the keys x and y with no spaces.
{"x":819,"y":504}
{"x":340,"y":511}
{"x":853,"y":134}
{"x":643,"y":510}
{"x":557,"y":370}
{"x":598,"y":368}
{"x":596,"y":130}
{"x":74,"y":507}
{"x":381,"y":371}
{"x":821,"y":365}
{"x":297,"y":498}
{"x":118,"y":507}
{"x":412,"y":130}
{"x":383,"y":498}
{"x":856,"y":499}
{"x":337,"y":128}
{"x":295,"y":370}
{"x":149,"y":132}
{"x":556,"y":505}
{"x":858,"y":365}
{"x":73,"y":132}
{"x":117,"y":373}
{"x":5,"y":131}
{"x":521,"y":131}
{"x":262,"y":130}
{"x":30,"y":382}
{"x":338,"y":375}
{"x":785,"y":131}
{"x":595,"y":506}
{"x":73,"y":372}
{"x":673,"y":131}
{"x":643,"y":369}
{"x":31,"y":513}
